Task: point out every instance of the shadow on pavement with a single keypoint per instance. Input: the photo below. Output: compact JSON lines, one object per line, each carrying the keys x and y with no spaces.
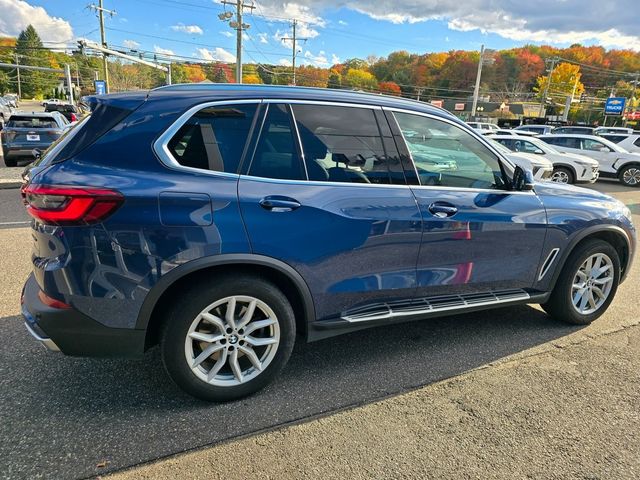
{"x":62,"y":416}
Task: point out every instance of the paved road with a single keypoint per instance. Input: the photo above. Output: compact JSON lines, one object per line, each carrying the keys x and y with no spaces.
{"x":12,"y":212}
{"x":62,"y":417}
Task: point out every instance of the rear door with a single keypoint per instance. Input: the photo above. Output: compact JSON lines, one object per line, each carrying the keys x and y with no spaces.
{"x":599,"y":151}
{"x":325,"y":192}
{"x":479,"y":238}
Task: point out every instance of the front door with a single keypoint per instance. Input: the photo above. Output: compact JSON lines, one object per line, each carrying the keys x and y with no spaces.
{"x":325,"y":193}
{"x":478,"y":237}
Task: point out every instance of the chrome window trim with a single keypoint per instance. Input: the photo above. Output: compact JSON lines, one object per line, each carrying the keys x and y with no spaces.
{"x":161,"y":145}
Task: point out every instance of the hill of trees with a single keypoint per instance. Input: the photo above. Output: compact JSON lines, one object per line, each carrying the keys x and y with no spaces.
{"x":518,"y":74}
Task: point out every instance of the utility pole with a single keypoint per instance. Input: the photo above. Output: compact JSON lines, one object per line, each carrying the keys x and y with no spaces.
{"x":101,"y":10}
{"x":293,"y":38}
{"x":546,"y":88}
{"x":67,"y":74}
{"x":18,"y":72}
{"x":239,"y":27}
{"x":486,"y":56}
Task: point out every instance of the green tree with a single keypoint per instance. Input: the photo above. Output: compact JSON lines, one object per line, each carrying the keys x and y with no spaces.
{"x":5,"y":85}
{"x":31,"y":52}
{"x":360,"y":79}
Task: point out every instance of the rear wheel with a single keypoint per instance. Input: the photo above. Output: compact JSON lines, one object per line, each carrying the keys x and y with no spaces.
{"x":10,"y":162}
{"x":562,"y":175}
{"x":630,"y":175}
{"x":587,"y":284}
{"x":229,"y":338}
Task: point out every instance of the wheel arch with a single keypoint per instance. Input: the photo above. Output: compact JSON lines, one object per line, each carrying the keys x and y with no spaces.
{"x":612,"y":234}
{"x":569,"y":167}
{"x":281,"y":274}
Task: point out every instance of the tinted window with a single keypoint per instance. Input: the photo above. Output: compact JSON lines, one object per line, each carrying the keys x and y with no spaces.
{"x":447,"y":155}
{"x":342,"y":144}
{"x":637,"y":142}
{"x":593,"y":145}
{"x":31,"y":122}
{"x":567,"y":142}
{"x":524,"y":146}
{"x":213,"y":138}
{"x":276,"y":155}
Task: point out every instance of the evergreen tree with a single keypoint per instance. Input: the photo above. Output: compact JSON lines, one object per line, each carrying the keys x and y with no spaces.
{"x":31,"y":52}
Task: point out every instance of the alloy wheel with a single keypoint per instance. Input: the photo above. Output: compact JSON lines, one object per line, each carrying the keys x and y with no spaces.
{"x":592,"y":283}
{"x":560,"y":176}
{"x":232,"y":341}
{"x":631,"y":176}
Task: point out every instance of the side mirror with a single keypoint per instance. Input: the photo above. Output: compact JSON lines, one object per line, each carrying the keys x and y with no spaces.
{"x":522,"y":179}
{"x":604,"y":149}
{"x":538,"y":151}
{"x":36,"y":153}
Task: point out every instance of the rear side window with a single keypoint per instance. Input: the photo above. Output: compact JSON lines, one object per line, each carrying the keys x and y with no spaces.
{"x":342,"y":144}
{"x":31,"y":122}
{"x":213,"y":138}
{"x":276,"y":155}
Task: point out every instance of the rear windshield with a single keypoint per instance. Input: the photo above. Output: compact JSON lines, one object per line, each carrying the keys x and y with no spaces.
{"x":31,"y":122}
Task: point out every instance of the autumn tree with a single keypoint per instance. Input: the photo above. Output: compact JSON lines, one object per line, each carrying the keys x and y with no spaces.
{"x":360,"y":80}
{"x":310,"y":76}
{"x":565,"y":80}
{"x":390,"y":88}
{"x":250,"y":74}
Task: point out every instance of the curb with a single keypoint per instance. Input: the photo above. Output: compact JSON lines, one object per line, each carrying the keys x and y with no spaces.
{"x":5,"y":185}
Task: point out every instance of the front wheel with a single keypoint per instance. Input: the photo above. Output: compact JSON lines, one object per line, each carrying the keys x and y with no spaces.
{"x":587,"y":284}
{"x":228,"y":338}
{"x":630,"y":176}
{"x":562,"y":175}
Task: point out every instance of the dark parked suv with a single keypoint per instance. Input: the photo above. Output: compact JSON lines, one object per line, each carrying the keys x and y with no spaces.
{"x":222,"y":221}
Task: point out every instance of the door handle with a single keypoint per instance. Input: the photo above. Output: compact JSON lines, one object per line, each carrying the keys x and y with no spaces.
{"x":442,"y":209}
{"x":279,"y":204}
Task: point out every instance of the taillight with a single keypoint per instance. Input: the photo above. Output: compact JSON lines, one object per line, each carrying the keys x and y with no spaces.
{"x":74,"y":118}
{"x":70,"y":205}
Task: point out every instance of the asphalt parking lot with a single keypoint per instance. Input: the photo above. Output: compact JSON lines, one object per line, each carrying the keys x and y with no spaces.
{"x":74,"y":418}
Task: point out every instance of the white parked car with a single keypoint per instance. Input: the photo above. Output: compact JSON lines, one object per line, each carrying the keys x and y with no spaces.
{"x":567,"y":167}
{"x":482,"y":126}
{"x":614,"y":160}
{"x":536,"y":129}
{"x":620,"y":130}
{"x":541,"y":167}
{"x":631,"y":143}
{"x":504,"y":131}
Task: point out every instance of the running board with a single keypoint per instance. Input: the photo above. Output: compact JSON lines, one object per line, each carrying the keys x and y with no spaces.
{"x":433,"y":305}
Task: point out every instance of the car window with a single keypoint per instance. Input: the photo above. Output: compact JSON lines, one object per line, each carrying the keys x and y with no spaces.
{"x":593,"y":145}
{"x":276,"y":155}
{"x":445,"y":155}
{"x":343,"y":143}
{"x":567,"y":142}
{"x":637,"y":142}
{"x":525,"y":146}
{"x":213,"y":138}
{"x":31,"y":122}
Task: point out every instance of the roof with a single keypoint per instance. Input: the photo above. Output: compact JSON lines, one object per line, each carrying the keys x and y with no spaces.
{"x":225,"y":91}
{"x":35,"y":114}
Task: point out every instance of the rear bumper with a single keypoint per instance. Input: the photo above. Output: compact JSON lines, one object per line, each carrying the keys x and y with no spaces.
{"x":73,"y":333}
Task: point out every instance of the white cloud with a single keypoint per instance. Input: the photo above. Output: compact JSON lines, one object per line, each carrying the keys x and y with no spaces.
{"x":342,"y":22}
{"x":217,"y":55}
{"x":334,"y":59}
{"x":319,"y":60}
{"x":608,"y":23}
{"x":263,"y":38}
{"x":130,"y":44}
{"x":284,"y":62}
{"x":163,"y":51}
{"x":16,"y":15}
{"x":192,"y":29}
{"x":226,"y":33}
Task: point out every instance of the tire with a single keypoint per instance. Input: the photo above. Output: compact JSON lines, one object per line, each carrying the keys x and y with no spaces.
{"x":185,"y":319}
{"x":561,"y":302}
{"x":563,"y":175}
{"x":629,"y":175}
{"x":10,"y":162}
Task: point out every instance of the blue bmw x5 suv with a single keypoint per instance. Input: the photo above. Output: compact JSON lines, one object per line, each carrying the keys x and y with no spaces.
{"x":223,"y":221}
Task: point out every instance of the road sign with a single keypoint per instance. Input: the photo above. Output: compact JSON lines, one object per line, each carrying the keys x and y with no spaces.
{"x":459,"y":107}
{"x":614,"y":106}
{"x":101,"y":87}
{"x":437,"y":103}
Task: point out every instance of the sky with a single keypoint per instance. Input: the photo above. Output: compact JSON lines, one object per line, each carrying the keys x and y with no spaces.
{"x":335,"y":30}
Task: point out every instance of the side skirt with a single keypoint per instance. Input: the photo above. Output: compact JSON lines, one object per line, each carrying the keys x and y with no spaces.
{"x":420,"y":309}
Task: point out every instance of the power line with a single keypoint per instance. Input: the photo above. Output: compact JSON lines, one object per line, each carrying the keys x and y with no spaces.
{"x":295,"y":52}
{"x":101,"y":11}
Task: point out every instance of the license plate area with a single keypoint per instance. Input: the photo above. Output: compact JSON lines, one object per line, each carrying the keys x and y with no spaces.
{"x":31,"y":137}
